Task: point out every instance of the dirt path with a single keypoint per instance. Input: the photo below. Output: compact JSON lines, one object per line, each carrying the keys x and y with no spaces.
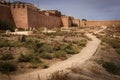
{"x":103,"y":28}
{"x":79,"y":58}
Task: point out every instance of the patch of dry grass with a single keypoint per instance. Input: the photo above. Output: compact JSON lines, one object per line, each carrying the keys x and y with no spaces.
{"x":59,"y":75}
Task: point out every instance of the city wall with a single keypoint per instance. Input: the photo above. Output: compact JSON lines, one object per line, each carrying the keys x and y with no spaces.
{"x":76,"y":21}
{"x":66,"y":21}
{"x":19,"y":14}
{"x":28,"y":16}
{"x":5,"y":14}
{"x":100,"y":23}
{"x":36,"y":20}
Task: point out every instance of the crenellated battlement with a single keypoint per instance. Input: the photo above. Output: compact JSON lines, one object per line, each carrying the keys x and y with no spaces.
{"x":18,"y":5}
{"x":23,"y":5}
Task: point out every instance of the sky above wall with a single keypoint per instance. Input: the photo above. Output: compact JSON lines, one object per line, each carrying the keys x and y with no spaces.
{"x":88,"y":9}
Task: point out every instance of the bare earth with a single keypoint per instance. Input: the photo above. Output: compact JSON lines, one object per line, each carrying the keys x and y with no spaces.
{"x":79,"y":58}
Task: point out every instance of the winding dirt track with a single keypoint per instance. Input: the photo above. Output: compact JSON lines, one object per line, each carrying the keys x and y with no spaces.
{"x":79,"y":58}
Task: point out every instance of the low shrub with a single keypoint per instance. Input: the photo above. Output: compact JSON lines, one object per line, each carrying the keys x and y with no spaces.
{"x":60,"y":54}
{"x":113,"y":42}
{"x":64,"y":46}
{"x":50,"y":34}
{"x":7,"y":67}
{"x":7,"y":56}
{"x":111,"y":68}
{"x":46,"y":56}
{"x":45,"y":48}
{"x":68,"y":48}
{"x":59,"y":75}
{"x":82,"y":43}
{"x":15,"y":44}
{"x":71,"y":51}
{"x":25,"y":58}
{"x":34,"y":65}
{"x":6,"y":43}
{"x":37,"y":46}
{"x":35,"y":59}
{"x":29,"y":43}
{"x":29,"y":58}
{"x":101,"y":61}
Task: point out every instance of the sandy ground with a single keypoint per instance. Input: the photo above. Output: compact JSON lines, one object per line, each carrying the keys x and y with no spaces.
{"x":79,"y":58}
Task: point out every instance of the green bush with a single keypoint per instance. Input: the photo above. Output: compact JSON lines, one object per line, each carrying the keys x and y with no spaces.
{"x":113,"y":42}
{"x":68,"y":48}
{"x":59,"y":75}
{"x":60,"y":54}
{"x":7,"y":67}
{"x":15,"y":44}
{"x":29,"y":58}
{"x":30,"y":43}
{"x":65,"y":46}
{"x":35,"y":59}
{"x":7,"y":56}
{"x":71,"y":51}
{"x":46,"y":56}
{"x":25,"y":58}
{"x":81,"y":43}
{"x":111,"y":67}
{"x":45,"y":48}
{"x":6,"y":43}
{"x":37,"y":46}
{"x":61,"y":46}
{"x":50,"y":34}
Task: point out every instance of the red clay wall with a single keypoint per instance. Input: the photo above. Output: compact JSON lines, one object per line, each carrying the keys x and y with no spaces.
{"x":20,"y":16}
{"x":76,"y":21}
{"x":66,"y":21}
{"x":37,"y":20}
{"x":100,"y":23}
{"x":5,"y":14}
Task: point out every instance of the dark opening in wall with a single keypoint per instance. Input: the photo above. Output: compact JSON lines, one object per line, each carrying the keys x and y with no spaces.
{"x":18,"y":6}
{"x":14,"y":6}
{"x":23,"y":6}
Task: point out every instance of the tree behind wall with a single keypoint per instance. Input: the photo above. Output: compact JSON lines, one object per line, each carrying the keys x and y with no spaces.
{"x":84,"y":20}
